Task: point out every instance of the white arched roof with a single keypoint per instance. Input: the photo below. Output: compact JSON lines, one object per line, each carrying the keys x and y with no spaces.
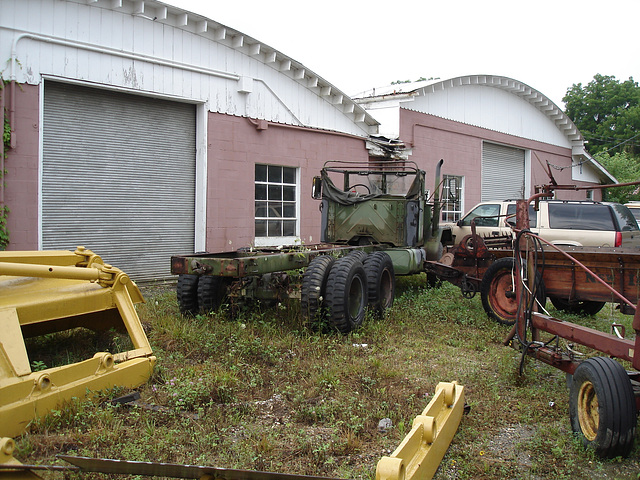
{"x":153,"y":48}
{"x":465,"y":100}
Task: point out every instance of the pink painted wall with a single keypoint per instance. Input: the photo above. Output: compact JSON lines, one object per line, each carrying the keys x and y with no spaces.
{"x":460,"y":145}
{"x":21,"y":180}
{"x":235,"y":145}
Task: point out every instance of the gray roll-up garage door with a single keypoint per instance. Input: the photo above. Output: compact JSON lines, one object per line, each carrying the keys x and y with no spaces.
{"x":118,"y":177}
{"x":503,"y":172}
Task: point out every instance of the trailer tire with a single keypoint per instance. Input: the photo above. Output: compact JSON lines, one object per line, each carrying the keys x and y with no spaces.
{"x":585,"y":307}
{"x":381,"y":282}
{"x":602,"y":407}
{"x":347,"y":293}
{"x":212,"y":292}
{"x":187,"y":294}
{"x":313,"y":292}
{"x":497,"y":292}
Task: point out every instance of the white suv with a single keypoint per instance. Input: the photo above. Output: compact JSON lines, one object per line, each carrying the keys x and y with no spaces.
{"x":576,"y":223}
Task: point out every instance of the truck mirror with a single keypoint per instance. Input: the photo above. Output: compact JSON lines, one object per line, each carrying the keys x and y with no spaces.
{"x":316,"y":188}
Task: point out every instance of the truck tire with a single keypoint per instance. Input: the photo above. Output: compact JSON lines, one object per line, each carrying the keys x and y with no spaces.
{"x":187,"y":294}
{"x":347,"y":294}
{"x":602,"y":407}
{"x":498,"y":294}
{"x":212,"y":293}
{"x":314,"y":287}
{"x":359,"y":254}
{"x":381,"y":282}
{"x":585,"y":307}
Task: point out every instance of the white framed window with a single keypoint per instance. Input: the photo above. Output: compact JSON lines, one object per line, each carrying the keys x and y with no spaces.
{"x":276,"y":205}
{"x":452,"y":201}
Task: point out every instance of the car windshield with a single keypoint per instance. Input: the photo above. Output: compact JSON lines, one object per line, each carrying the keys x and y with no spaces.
{"x":490,"y":210}
{"x":626,"y":220}
{"x":580,"y":216}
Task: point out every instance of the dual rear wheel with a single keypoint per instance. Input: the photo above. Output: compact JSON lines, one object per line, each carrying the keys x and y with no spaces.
{"x":336,"y":292}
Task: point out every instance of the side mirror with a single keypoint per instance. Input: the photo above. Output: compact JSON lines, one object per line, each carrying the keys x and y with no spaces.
{"x":316,"y":188}
{"x":459,"y":223}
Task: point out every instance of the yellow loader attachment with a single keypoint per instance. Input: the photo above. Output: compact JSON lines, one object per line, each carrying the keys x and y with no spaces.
{"x":43,"y":292}
{"x":420,"y":453}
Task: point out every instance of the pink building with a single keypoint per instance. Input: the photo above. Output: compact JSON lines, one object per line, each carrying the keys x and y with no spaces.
{"x":141,"y":130}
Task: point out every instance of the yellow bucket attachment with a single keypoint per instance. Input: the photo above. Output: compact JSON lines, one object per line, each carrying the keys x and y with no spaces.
{"x":44,"y":292}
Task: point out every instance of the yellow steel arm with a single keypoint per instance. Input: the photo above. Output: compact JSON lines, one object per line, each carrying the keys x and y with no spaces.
{"x":420,"y":453}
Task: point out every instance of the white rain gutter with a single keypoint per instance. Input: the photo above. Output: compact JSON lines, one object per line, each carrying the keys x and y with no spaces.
{"x":93,"y":48}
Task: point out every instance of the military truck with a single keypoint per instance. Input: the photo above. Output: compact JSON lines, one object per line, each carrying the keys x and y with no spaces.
{"x":377,"y":222}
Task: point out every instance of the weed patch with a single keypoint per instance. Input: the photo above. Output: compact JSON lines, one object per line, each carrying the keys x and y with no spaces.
{"x":263,"y":391}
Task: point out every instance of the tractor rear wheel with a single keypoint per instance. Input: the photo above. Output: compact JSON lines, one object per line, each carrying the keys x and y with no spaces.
{"x":347,"y":293}
{"x":498,"y":294}
{"x":381,"y":282}
{"x":602,"y":407}
{"x":187,"y":294}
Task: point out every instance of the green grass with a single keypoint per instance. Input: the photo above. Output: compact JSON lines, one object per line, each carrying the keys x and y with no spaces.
{"x":265,"y":392}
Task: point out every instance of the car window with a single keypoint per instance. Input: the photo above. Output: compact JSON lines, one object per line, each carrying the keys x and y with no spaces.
{"x":533,"y":215}
{"x":578,"y":216}
{"x":487,"y":210}
{"x":636,"y":213}
{"x":626,"y":220}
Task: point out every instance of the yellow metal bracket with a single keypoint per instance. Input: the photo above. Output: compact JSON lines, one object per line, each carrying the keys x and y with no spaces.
{"x":422,"y":450}
{"x":52,"y":291}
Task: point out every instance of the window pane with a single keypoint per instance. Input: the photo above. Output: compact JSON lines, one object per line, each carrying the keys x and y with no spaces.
{"x":261,"y":192}
{"x":261,"y":228}
{"x":288,"y":193}
{"x":275,"y":174}
{"x":289,"y":210}
{"x":261,"y":209}
{"x":275,"y":228}
{"x":288,"y":175}
{"x":580,"y":217}
{"x":261,"y":173}
{"x":275,"y":210}
{"x":289,"y":228}
{"x":275,"y":192}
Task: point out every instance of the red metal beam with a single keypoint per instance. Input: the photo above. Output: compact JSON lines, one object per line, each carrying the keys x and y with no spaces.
{"x":604,"y":342}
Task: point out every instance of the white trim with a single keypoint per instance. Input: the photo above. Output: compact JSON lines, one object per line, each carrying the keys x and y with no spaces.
{"x":200,"y":234}
{"x":40,"y":159}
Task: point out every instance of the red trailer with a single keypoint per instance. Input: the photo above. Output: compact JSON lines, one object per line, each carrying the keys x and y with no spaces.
{"x":604,"y":390}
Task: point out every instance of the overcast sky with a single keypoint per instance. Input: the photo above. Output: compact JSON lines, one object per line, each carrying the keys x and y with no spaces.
{"x":357,"y":45}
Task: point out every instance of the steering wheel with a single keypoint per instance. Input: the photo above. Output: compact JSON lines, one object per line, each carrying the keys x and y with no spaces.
{"x":359,"y":185}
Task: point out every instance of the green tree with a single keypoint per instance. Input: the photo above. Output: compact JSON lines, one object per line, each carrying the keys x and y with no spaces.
{"x":607,"y":112}
{"x":626,"y":169}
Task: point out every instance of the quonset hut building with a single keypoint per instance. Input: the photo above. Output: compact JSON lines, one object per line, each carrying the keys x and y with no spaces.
{"x":141,"y":130}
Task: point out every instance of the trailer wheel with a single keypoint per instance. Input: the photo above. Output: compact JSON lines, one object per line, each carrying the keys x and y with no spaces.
{"x":212,"y":292}
{"x":347,"y":293}
{"x":586,"y":307}
{"x":314,"y":287}
{"x":187,"y":294}
{"x":498,"y":293}
{"x":381,"y":281}
{"x":602,"y":407}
